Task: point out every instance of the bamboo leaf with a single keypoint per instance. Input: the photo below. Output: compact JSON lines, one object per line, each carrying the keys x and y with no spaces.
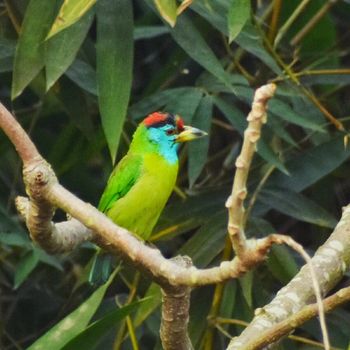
{"x":186,"y":34}
{"x":311,"y":165}
{"x":149,"y":32}
{"x":153,"y":298}
{"x":83,"y":75}
{"x":281,"y":263}
{"x":29,"y":56}
{"x":90,"y":337}
{"x":62,"y":49}
{"x":114,"y":66}
{"x":182,"y":100}
{"x":198,"y":150}
{"x":246,"y":283}
{"x":237,"y":119}
{"x":74,"y":323}
{"x":168,"y":10}
{"x":25,"y":267}
{"x":70,"y":12}
{"x":238,"y":15}
{"x":208,"y":241}
{"x":298,"y":206}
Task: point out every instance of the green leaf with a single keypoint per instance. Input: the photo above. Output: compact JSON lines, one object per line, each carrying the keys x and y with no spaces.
{"x":26,"y":265}
{"x":153,"y":298}
{"x":327,"y":79}
{"x":29,"y":56}
{"x":281,"y":109}
{"x":149,"y":32}
{"x":83,"y":75}
{"x":189,"y":38}
{"x":311,"y":165}
{"x":114,"y":66}
{"x":232,"y":114}
{"x":266,"y":152}
{"x":238,"y":15}
{"x":73,"y":324}
{"x":285,"y":112}
{"x":281,"y":263}
{"x":238,"y":120}
{"x":168,"y":10}
{"x":198,"y":149}
{"x":298,"y":206}
{"x":7,"y":54}
{"x":90,"y":337}
{"x":228,"y":298}
{"x":48,"y":259}
{"x":208,"y":241}
{"x":70,"y":12}
{"x":184,"y":215}
{"x":183,"y":101}
{"x":249,"y":39}
{"x":185,"y":105}
{"x":62,"y":49}
{"x":15,"y":239}
{"x":74,"y":102}
{"x":246,"y":283}
{"x":199,"y":310}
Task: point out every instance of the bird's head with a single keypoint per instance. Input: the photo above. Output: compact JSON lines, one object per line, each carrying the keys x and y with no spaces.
{"x":162,"y":133}
{"x":170,"y":128}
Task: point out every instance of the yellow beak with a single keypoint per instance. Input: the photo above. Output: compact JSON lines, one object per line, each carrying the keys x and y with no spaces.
{"x":190,"y":133}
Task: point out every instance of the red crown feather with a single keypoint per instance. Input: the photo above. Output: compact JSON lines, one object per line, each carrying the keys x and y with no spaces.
{"x":157,"y":119}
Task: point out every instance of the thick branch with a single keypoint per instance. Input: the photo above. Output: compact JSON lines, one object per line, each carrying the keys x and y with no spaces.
{"x":53,"y":237}
{"x":308,"y":312}
{"x":24,"y":146}
{"x":256,"y":118}
{"x":329,"y":262}
{"x":175,"y":314}
{"x":164,"y":271}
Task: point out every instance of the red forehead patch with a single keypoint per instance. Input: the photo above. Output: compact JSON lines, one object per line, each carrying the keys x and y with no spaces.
{"x":155,"y":118}
{"x":179,"y":123}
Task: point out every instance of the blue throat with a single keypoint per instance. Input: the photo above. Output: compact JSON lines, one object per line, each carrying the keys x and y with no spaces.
{"x":166,"y":145}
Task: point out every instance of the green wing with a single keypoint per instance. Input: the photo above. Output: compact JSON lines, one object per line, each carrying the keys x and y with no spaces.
{"x":123,"y":177}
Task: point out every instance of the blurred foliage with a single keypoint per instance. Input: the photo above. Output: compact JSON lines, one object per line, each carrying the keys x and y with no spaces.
{"x":61,"y":62}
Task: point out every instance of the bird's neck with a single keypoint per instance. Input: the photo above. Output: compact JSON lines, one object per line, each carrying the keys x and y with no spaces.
{"x":143,"y":143}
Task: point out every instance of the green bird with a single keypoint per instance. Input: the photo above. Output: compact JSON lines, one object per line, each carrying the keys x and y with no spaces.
{"x":143,"y":180}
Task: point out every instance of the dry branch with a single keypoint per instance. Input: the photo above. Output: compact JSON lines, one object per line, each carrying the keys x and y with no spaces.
{"x":175,"y":314}
{"x":256,"y":118}
{"x":287,"y":326}
{"x":330,"y":262}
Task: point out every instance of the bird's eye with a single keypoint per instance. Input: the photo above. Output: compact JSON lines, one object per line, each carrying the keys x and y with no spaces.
{"x":170,"y":132}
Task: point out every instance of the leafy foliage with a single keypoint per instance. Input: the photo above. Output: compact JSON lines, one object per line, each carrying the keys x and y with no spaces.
{"x":80,"y":75}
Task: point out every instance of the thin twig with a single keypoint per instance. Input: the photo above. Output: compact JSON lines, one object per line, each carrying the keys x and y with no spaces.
{"x":299,"y":248}
{"x":311,"y":24}
{"x":256,"y":118}
{"x":284,"y":28}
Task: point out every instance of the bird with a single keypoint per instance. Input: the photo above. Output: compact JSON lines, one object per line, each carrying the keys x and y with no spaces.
{"x":142,"y":182}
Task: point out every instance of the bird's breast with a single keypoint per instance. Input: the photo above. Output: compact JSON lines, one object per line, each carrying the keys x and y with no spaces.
{"x":140,"y":209}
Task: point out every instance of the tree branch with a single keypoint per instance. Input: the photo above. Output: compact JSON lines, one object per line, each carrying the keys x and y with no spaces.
{"x":256,"y":118}
{"x":329,"y":262}
{"x":53,"y":237}
{"x":175,"y":314}
{"x":285,"y":327}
